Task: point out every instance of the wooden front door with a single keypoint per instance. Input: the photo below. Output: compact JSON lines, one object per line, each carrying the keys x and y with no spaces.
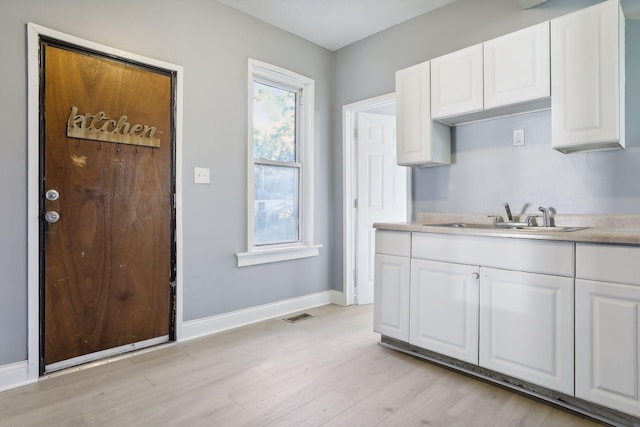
{"x":107,"y":259}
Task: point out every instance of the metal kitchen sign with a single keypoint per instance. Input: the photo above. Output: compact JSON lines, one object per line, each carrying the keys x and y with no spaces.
{"x":100,"y":127}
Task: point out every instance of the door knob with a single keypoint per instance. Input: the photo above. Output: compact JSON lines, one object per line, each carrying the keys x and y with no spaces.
{"x":476,"y":276}
{"x":52,"y":195}
{"x":52,"y":217}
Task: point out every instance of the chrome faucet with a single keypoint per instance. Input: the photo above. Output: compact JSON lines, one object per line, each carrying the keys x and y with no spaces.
{"x":545,"y":216}
{"x":508,"y":209}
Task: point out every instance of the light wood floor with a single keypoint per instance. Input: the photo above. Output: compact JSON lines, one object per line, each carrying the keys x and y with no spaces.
{"x":327,"y":370}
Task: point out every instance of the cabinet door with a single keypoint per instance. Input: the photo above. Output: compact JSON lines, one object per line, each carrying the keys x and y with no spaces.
{"x":419,"y":142}
{"x":587,"y":79}
{"x":444,"y":308}
{"x":526,"y":326}
{"x":517,"y":67}
{"x":456,"y":83}
{"x":608,"y":344}
{"x":391,"y":296}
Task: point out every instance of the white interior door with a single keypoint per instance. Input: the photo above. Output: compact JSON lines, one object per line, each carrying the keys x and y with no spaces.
{"x":381,"y":195}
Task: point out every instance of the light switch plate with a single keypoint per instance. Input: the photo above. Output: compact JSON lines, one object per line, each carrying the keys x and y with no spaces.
{"x":201,"y":175}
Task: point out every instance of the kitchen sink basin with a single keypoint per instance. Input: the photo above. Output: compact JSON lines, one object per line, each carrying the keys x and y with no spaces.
{"x":505,"y":226}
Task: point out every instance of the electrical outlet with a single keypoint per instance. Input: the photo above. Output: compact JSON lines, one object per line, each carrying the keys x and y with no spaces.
{"x":518,"y":137}
{"x":201,"y":175}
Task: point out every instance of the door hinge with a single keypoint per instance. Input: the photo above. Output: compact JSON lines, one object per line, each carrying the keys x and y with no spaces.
{"x":355,"y":132}
{"x":355,"y":287}
{"x":355,"y":203}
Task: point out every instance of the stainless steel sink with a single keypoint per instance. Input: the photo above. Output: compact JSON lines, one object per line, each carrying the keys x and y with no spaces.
{"x":505,"y":226}
{"x":462,"y":225}
{"x":561,"y":229}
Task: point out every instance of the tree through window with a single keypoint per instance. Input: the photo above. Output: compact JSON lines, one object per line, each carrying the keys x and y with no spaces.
{"x":280,"y":174}
{"x":276,"y":170}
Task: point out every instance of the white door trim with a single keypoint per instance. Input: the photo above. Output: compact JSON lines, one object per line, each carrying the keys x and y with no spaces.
{"x":34,"y":33}
{"x":349,"y":189}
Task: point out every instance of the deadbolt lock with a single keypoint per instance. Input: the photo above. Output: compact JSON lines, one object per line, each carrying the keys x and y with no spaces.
{"x":52,"y":195}
{"x":52,"y":217}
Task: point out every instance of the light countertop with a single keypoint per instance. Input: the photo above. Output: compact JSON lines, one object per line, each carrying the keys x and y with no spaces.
{"x":613,"y":229}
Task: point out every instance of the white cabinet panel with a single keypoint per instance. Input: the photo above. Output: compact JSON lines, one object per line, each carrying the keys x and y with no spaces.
{"x":526,"y":327}
{"x":393,"y":242}
{"x":608,"y":344}
{"x":619,"y":264}
{"x":391,"y":296}
{"x":536,"y":256}
{"x":444,"y":308}
{"x":587,"y":79}
{"x":517,"y":67}
{"x":420,"y":142}
{"x":457,"y":83}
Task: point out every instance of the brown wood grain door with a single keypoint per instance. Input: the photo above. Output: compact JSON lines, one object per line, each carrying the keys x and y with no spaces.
{"x":107,"y":263}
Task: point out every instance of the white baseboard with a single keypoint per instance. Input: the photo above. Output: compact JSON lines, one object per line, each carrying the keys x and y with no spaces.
{"x":14,"y":375}
{"x":338,"y":298}
{"x":200,"y":327}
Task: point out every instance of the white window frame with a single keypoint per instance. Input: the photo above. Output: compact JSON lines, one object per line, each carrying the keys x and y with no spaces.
{"x":261,"y":254}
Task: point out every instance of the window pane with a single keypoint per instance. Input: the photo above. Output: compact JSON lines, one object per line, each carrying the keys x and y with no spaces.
{"x":275,"y":207}
{"x":274,"y":123}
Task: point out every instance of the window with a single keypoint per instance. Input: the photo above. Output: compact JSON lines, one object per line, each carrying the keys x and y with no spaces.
{"x":276,"y":173}
{"x":280,"y":166}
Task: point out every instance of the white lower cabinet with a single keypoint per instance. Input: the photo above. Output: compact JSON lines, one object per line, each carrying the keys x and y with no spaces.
{"x":608,"y":326}
{"x":526,"y":326}
{"x":608,"y":344}
{"x":516,"y":307}
{"x":444,"y":308}
{"x":391,"y":296}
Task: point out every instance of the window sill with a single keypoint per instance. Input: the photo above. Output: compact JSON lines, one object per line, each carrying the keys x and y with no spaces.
{"x":275,"y":255}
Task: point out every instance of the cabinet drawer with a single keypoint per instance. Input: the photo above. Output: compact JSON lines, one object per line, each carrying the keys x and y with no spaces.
{"x":537,"y":256}
{"x":393,"y":242}
{"x":619,"y":264}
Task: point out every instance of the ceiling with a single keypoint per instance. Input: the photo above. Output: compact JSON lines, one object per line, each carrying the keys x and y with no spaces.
{"x":335,"y":23}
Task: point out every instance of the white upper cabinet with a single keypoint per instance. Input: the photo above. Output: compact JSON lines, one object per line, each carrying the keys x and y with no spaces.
{"x":456,"y":83}
{"x":517,"y":67}
{"x":506,"y":75}
{"x":419,"y":141}
{"x":587,"y":79}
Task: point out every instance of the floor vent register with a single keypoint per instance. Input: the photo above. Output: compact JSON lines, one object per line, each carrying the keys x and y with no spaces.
{"x":298,"y":317}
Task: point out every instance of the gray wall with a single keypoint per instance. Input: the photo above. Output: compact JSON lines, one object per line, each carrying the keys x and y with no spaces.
{"x":487,"y":170}
{"x":213,"y":43}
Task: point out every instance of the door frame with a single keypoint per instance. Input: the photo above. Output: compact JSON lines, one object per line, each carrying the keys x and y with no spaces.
{"x":350,"y":189}
{"x":34,"y":33}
